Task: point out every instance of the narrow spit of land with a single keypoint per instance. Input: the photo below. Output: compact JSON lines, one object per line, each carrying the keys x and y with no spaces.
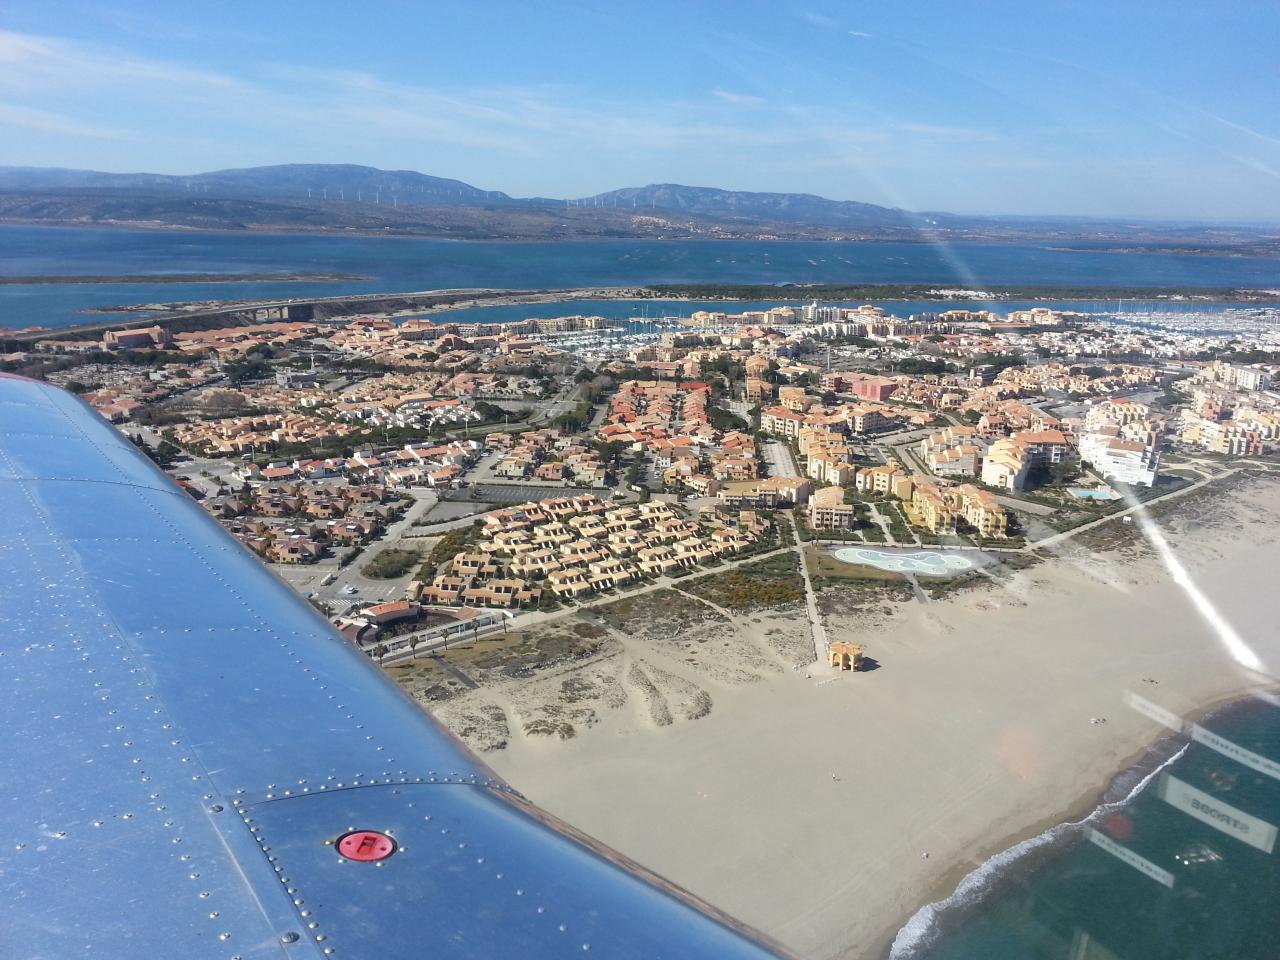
{"x":941,"y":292}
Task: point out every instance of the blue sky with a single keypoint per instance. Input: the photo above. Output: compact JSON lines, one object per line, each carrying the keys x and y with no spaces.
{"x":1164,"y":109}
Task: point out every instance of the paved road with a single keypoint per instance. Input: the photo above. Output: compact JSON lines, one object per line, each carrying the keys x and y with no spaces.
{"x":878,"y":518}
{"x":816,"y":630}
{"x":921,"y":596}
{"x":554,"y":406}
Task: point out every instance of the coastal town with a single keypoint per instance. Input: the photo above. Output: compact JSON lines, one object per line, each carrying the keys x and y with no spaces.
{"x":704,"y":481}
{"x":416,"y":480}
{"x":890,"y":557}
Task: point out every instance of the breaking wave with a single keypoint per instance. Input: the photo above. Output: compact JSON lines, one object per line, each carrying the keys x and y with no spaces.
{"x":932,"y":922}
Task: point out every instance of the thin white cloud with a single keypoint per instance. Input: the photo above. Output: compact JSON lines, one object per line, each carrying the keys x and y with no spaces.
{"x":820,"y":20}
{"x":44,"y":66}
{"x":740,"y":99}
{"x":148,"y":27}
{"x":859,"y":33}
{"x":46,"y":122}
{"x":935,"y":131}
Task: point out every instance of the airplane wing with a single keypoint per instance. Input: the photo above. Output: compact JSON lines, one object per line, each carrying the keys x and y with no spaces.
{"x":195,"y":765}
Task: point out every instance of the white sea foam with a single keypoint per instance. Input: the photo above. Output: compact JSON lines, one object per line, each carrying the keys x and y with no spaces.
{"x":923,"y":929}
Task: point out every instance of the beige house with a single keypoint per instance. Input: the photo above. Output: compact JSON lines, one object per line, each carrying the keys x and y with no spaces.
{"x":885,"y":479}
{"x":828,"y":511}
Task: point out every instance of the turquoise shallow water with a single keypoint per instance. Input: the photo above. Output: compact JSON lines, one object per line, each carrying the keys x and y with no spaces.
{"x":405,"y":264}
{"x":931,"y":562}
{"x":1074,"y":900}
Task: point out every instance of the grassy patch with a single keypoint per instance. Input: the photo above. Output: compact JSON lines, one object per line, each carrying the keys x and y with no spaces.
{"x":823,"y":564}
{"x":765,"y":583}
{"x":661,"y":607}
{"x":391,"y":563}
{"x":426,"y":679}
{"x":523,"y":653}
{"x":448,"y":547}
{"x":863,"y":597}
{"x":971,"y":580}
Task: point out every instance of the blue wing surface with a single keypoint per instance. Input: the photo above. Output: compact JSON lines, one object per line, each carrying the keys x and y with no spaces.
{"x":186,"y":740}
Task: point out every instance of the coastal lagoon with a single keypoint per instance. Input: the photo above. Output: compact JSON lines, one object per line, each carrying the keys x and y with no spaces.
{"x":404,"y":264}
{"x":929,"y":563}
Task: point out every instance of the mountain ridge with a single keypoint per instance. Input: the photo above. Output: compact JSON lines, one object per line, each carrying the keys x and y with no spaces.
{"x":757,"y":205}
{"x":358,"y":198}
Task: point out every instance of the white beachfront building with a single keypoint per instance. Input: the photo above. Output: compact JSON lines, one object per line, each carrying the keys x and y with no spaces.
{"x":1120,"y":460}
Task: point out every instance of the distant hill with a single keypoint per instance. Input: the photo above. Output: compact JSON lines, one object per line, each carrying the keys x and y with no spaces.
{"x":323,"y":197}
{"x":756,"y":207}
{"x":294,"y":181}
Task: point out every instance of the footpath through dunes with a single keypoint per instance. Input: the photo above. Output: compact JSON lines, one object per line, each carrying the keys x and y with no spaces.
{"x":804,"y":804}
{"x":641,"y":663}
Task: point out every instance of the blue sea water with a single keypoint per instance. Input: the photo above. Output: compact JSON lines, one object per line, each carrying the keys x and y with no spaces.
{"x":407,"y":264}
{"x":1063,"y":897}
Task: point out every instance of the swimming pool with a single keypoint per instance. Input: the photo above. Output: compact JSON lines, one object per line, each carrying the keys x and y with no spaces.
{"x":929,"y":562}
{"x":1095,"y":494}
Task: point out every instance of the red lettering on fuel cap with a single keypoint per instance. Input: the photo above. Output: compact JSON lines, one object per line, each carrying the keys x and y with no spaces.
{"x":366,"y":846}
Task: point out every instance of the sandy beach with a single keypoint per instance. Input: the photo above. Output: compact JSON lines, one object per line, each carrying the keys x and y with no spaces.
{"x":697,"y":741}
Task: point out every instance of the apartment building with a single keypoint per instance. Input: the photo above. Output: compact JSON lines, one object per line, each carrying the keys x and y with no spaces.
{"x":770,"y":493}
{"x":939,"y":509}
{"x":931,"y":509}
{"x":1010,"y":462}
{"x":826,"y":468}
{"x":981,"y":511}
{"x":1227,"y":437}
{"x":884,"y":480}
{"x":828,"y":511}
{"x":954,"y":451}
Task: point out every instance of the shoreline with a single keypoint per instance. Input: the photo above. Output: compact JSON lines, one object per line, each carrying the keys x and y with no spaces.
{"x":915,"y":238}
{"x":137,"y":314}
{"x":1157,"y":754}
